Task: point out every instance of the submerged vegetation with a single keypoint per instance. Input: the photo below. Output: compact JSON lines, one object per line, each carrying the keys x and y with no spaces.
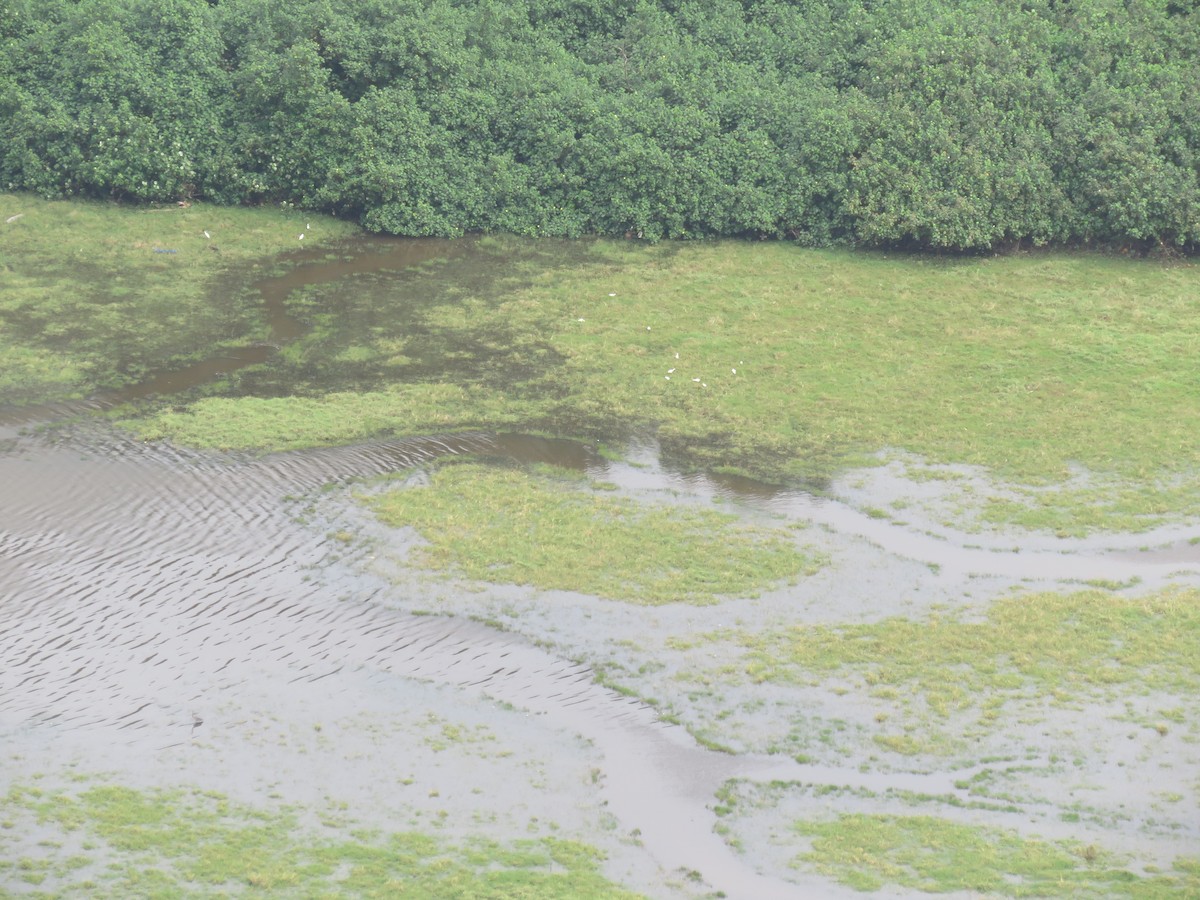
{"x":932,"y":855}
{"x":1026,"y":647}
{"x":113,"y":841}
{"x":966,"y":676}
{"x":781,"y":362}
{"x":549,"y":531}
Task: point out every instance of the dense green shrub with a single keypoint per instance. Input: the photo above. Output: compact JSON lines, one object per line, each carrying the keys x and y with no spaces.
{"x":944,"y":124}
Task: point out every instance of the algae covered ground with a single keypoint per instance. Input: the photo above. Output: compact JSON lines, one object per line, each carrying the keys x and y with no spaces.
{"x":955,"y":624}
{"x":1066,"y":380}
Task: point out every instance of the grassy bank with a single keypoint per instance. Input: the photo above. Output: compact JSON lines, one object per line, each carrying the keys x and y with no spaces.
{"x":552,"y":530}
{"x":112,"y":841}
{"x":96,"y":295}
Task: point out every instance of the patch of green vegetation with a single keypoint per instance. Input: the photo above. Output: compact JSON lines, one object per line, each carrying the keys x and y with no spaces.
{"x":793,"y":363}
{"x":1109,"y":584}
{"x":478,"y":740}
{"x":1027,"y":648}
{"x":870,"y":852}
{"x":509,"y":526}
{"x":170,"y":844}
{"x":96,"y":295}
{"x":1110,"y":503}
{"x":285,"y":423}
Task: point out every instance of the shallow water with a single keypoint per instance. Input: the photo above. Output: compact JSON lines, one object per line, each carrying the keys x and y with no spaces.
{"x":142,"y":588}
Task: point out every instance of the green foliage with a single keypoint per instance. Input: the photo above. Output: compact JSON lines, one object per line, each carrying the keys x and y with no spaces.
{"x":946,"y":125}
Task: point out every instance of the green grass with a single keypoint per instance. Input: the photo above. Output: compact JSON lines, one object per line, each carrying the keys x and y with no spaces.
{"x":87,"y":301}
{"x":1023,"y":365}
{"x":550,"y":531}
{"x":1027,"y":649}
{"x":287,"y":423}
{"x":187,"y":843}
{"x":871,"y":852}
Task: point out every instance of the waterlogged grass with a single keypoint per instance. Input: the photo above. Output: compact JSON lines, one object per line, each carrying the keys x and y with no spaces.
{"x":793,"y":363}
{"x":112,"y":841}
{"x":1019,"y":364}
{"x":1028,"y":649}
{"x":761,"y":357}
{"x":285,"y":423}
{"x":923,"y":853}
{"x":1114,"y":504}
{"x":554,"y":532}
{"x":96,"y":295}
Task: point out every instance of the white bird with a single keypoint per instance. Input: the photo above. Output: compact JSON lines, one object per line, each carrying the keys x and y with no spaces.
{"x":670,"y":371}
{"x":207,"y":235}
{"x":308,"y":227}
{"x":734,"y":371}
{"x":301,"y":237}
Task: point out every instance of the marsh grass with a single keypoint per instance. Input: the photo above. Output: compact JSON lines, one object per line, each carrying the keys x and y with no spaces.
{"x":923,"y":853}
{"x":287,"y":423}
{"x":1026,"y":650}
{"x":96,"y":295}
{"x":190,"y":843}
{"x":547,"y":530}
{"x":790,"y":363}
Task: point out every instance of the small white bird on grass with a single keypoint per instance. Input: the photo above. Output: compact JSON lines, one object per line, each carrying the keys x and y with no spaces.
{"x":301,"y":237}
{"x":208,"y":236}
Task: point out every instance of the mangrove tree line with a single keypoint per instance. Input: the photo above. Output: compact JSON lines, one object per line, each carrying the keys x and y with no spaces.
{"x":953,"y":124}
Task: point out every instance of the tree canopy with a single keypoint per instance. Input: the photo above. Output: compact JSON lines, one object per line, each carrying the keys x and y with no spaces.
{"x":939,"y":124}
